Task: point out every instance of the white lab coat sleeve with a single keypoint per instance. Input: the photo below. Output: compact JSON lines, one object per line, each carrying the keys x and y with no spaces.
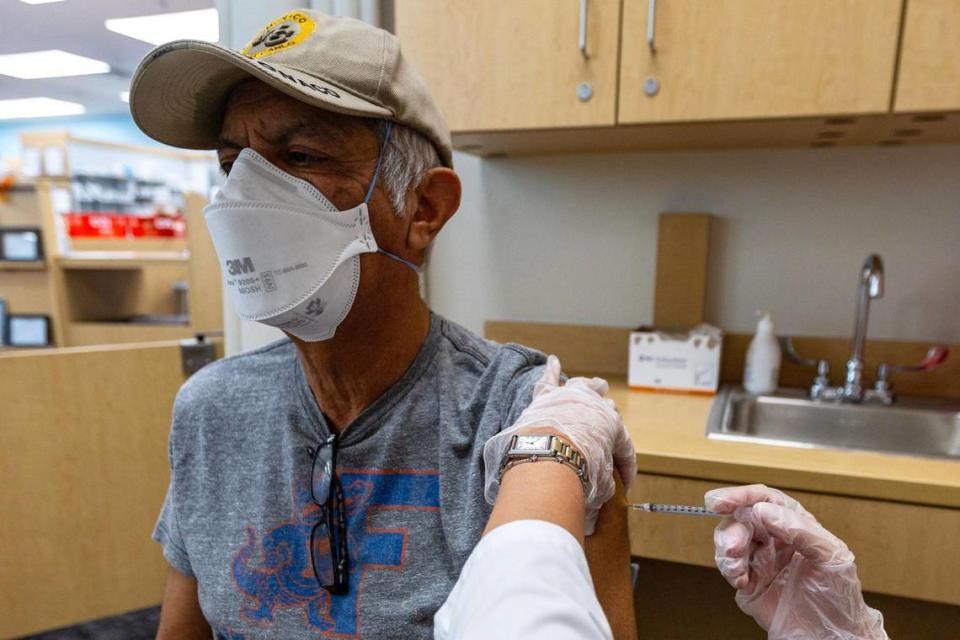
{"x":526,"y":579}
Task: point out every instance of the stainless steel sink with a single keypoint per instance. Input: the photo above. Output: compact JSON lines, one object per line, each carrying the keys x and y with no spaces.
{"x":914,"y":426}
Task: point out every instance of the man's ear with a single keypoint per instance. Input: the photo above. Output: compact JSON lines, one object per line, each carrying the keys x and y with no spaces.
{"x":438,"y":198}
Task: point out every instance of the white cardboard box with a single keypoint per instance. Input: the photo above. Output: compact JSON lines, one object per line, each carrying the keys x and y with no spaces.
{"x":681,"y":361}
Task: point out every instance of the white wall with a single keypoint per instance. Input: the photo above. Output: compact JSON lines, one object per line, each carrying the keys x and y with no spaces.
{"x":572,"y":239}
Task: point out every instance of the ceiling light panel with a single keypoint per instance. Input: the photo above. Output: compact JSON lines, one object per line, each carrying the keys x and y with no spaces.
{"x":202,"y":24}
{"x":52,"y":63}
{"x":39,"y":1}
{"x":38,"y":108}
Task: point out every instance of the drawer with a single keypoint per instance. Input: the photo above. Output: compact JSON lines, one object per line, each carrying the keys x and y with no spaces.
{"x":902,"y":549}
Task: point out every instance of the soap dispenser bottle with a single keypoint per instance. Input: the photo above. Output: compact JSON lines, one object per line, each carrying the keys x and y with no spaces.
{"x":762,"y":371}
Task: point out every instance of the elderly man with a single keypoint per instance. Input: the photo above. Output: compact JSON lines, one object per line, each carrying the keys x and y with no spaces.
{"x":330,"y":484}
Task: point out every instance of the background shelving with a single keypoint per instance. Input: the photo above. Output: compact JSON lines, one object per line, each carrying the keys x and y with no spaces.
{"x":126,"y":254}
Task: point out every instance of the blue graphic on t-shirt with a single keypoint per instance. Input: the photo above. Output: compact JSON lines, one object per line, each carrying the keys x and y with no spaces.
{"x":275,"y":571}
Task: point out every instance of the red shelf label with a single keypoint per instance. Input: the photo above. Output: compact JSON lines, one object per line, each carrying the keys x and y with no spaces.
{"x":105,"y":224}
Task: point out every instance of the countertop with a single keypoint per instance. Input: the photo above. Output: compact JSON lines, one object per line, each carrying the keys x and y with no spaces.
{"x":668,"y":432}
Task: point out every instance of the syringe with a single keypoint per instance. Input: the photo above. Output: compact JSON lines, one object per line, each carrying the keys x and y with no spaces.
{"x":653,"y":507}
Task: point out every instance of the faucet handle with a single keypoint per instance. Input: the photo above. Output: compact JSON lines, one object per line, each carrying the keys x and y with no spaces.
{"x":883,"y":390}
{"x":786,"y":346}
{"x":934,"y":358}
{"x":820,"y":388}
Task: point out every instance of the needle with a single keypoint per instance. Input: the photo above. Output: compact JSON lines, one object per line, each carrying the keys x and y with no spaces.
{"x":653,"y":507}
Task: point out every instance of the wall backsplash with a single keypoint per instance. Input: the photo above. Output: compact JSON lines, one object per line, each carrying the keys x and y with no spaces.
{"x":572,"y":239}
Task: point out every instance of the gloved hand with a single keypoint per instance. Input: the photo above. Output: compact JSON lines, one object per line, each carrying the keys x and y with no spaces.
{"x":795,"y":578}
{"x":579,"y":412}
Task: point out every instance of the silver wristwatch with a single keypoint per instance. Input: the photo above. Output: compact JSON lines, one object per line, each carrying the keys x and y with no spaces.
{"x":535,"y":447}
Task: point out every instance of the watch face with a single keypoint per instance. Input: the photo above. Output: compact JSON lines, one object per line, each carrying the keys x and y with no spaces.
{"x":532,"y":443}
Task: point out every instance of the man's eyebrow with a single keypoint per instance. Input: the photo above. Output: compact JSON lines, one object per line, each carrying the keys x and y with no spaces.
{"x":322,"y":132}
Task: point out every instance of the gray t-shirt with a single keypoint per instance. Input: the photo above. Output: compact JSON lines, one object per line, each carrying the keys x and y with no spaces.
{"x":238,"y":513}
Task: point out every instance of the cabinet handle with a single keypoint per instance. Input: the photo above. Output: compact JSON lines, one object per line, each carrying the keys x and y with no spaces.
{"x":583,"y":29}
{"x":652,"y":25}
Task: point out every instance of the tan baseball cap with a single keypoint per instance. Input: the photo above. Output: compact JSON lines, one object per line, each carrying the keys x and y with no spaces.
{"x":178,"y":92}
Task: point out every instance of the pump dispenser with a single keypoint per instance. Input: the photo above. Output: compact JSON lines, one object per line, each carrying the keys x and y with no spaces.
{"x":762,"y":371}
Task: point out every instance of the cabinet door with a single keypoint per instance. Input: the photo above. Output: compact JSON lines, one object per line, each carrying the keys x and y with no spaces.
{"x":509,"y":64}
{"x":732,"y":59}
{"x":930,"y":57}
{"x":903,"y":549}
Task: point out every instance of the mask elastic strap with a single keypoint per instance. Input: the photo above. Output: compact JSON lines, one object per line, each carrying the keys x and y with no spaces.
{"x":376,"y":169}
{"x":400,"y":260}
{"x":373,"y":185}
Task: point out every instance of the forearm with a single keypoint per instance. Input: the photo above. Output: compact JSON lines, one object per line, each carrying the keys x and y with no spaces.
{"x":544,"y":490}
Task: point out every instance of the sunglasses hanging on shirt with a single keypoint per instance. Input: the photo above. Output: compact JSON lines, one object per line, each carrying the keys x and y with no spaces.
{"x":328,"y":540}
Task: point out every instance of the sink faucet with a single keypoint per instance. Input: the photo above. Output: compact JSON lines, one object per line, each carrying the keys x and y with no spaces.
{"x":870,"y":287}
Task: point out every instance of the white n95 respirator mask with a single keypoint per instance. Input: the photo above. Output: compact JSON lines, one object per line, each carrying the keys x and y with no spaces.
{"x":290,"y":258}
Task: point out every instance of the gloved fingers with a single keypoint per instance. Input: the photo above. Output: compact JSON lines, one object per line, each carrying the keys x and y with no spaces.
{"x":599,"y":476}
{"x":536,"y":421}
{"x":728,"y":499}
{"x":625,"y":457}
{"x":601,"y":386}
{"x":550,"y":379}
{"x":590,"y":521}
{"x":763,"y":568}
{"x":596,"y":385}
{"x":732,"y":545}
{"x":732,"y":538}
{"x":802,"y":531}
{"x":627,"y":468}
{"x":747,"y":515}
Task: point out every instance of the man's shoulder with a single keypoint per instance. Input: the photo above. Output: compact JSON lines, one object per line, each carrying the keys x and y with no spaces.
{"x":491,"y":372}
{"x":239,"y":375}
{"x":488,"y":354}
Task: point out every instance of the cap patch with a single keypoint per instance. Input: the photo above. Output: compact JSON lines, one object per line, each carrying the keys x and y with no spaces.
{"x":287,"y":31}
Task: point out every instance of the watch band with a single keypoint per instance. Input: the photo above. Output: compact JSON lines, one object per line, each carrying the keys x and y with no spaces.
{"x":555,"y":448}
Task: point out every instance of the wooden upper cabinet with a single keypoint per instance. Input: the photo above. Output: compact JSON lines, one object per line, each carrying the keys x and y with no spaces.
{"x":515,"y":64}
{"x":930,"y":57}
{"x":740,"y":59}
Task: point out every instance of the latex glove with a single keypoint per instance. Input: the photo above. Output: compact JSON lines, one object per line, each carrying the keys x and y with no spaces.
{"x":578,"y":411}
{"x":795,"y":578}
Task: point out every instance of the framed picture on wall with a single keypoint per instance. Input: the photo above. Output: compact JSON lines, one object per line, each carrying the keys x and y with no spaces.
{"x":28,"y":330}
{"x":20,"y":244}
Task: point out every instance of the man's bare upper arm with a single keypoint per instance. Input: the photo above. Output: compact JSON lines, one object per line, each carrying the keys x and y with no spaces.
{"x":181,"y":617}
{"x":608,"y":554}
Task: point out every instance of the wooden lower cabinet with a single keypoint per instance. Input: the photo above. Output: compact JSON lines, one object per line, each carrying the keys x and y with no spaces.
{"x":907,"y":559}
{"x":83,"y":457}
{"x":685,"y":602}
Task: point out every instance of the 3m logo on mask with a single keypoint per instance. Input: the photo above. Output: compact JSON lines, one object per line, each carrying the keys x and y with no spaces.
{"x":240,"y":266}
